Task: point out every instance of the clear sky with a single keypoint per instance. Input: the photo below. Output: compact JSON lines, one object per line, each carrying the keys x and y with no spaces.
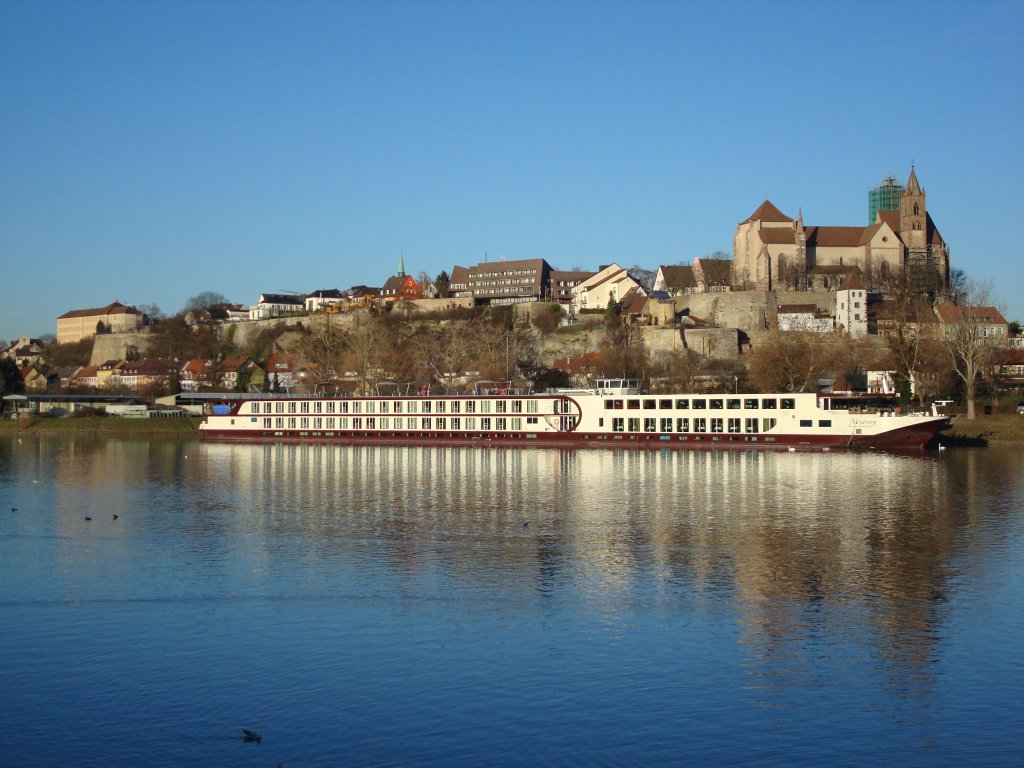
{"x":150,"y":151}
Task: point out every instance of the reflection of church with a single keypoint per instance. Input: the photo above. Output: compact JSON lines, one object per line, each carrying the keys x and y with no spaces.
{"x":771,"y":251}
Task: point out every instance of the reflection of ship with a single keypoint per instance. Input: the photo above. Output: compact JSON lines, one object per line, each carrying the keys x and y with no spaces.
{"x":617,"y":414}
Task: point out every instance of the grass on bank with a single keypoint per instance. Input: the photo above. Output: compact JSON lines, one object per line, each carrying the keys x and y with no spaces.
{"x":114,"y":425}
{"x":992,"y":428}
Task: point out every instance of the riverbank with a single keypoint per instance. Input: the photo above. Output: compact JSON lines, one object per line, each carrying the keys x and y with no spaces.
{"x":106,"y":425}
{"x":1001,"y":428}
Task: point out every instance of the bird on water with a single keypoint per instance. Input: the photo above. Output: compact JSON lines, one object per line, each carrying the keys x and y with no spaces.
{"x":248,"y":735}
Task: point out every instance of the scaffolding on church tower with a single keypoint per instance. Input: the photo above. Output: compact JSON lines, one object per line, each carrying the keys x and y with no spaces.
{"x":884,"y":197}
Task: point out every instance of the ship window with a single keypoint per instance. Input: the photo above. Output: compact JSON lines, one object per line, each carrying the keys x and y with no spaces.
{"x":806,"y":423}
{"x":470,"y":406}
{"x":279,"y":407}
{"x":633,"y":404}
{"x":650,"y":405}
{"x":700,"y":403}
{"x":700,"y":425}
{"x":751,"y":426}
{"x":383,"y":406}
{"x":788,"y":403}
{"x":824,"y":422}
{"x":531,"y":406}
{"x":357,"y":407}
{"x":266,"y":407}
{"x":343,"y":407}
{"x":501,"y":406}
{"x":304,"y":407}
{"x":485,"y":423}
{"x":717,"y":425}
{"x":291,"y":407}
{"x":357,"y":422}
{"x":279,"y":422}
{"x":768,"y":424}
{"x":441,"y":423}
{"x":456,"y":422}
{"x":291,"y":422}
{"x":501,"y":423}
{"x":666,"y":425}
{"x":330,"y":407}
{"x":682,"y":425}
{"x":439,"y":406}
{"x":734,"y":425}
{"x":266,"y":422}
{"x":485,"y":406}
{"x":385,"y":422}
{"x":425,"y":422}
{"x":425,"y":406}
{"x":665,"y":404}
{"x":413,"y":407}
{"x":455,"y":406}
{"x":769,"y":403}
{"x":517,"y":406}
{"x":716,"y":403}
{"x":517,"y":423}
{"x":750,"y":403}
{"x":650,"y":425}
{"x":634,"y":425}
{"x":471,"y":422}
{"x":733,"y":403}
{"x":330,"y":422}
{"x":682,"y":404}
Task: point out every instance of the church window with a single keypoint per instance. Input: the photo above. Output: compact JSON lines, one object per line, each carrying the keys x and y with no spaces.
{"x":916,"y":211}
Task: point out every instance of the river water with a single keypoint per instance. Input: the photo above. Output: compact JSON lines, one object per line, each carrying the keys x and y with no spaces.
{"x":439,"y":606}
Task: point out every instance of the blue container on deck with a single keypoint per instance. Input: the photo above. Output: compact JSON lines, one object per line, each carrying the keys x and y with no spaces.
{"x":221,"y":410}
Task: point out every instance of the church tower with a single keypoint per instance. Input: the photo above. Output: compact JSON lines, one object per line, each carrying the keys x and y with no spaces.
{"x":913,"y":216}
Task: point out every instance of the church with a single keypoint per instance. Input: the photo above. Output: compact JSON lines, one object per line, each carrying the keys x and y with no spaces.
{"x":773,"y":252}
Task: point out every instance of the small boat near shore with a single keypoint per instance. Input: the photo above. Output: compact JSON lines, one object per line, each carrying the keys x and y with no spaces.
{"x":616,"y":413}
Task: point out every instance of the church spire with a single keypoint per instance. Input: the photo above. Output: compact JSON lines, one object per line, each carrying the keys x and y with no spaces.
{"x":401,"y":263}
{"x":913,"y":187}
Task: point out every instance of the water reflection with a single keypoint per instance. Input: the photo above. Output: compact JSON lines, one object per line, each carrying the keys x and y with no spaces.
{"x":800,"y":570}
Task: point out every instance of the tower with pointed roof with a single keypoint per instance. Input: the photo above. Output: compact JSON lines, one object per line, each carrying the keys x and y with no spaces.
{"x":401,"y":264}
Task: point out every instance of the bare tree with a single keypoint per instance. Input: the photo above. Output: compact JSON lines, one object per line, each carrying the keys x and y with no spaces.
{"x":205,"y":300}
{"x":967,"y":339}
{"x":789,"y":361}
{"x":677,"y":370}
{"x":643,"y":276}
{"x":623,"y":351}
{"x":326,"y":345}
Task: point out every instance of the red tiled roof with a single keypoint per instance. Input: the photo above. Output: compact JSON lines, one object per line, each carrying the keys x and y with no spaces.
{"x":768,"y":212}
{"x":114,"y":308}
{"x":777,"y":236}
{"x":951,"y":313}
{"x":679,"y":277}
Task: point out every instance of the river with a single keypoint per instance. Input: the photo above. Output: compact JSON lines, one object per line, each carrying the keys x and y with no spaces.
{"x":399,"y":606}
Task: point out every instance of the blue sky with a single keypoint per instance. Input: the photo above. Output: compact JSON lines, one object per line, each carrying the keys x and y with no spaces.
{"x":150,"y":151}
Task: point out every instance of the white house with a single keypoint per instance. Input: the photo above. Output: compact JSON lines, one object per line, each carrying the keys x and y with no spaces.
{"x":322,"y":299}
{"x":277,"y":305}
{"x":804,"y":317}
{"x":610,"y":283}
{"x":852,"y":306}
